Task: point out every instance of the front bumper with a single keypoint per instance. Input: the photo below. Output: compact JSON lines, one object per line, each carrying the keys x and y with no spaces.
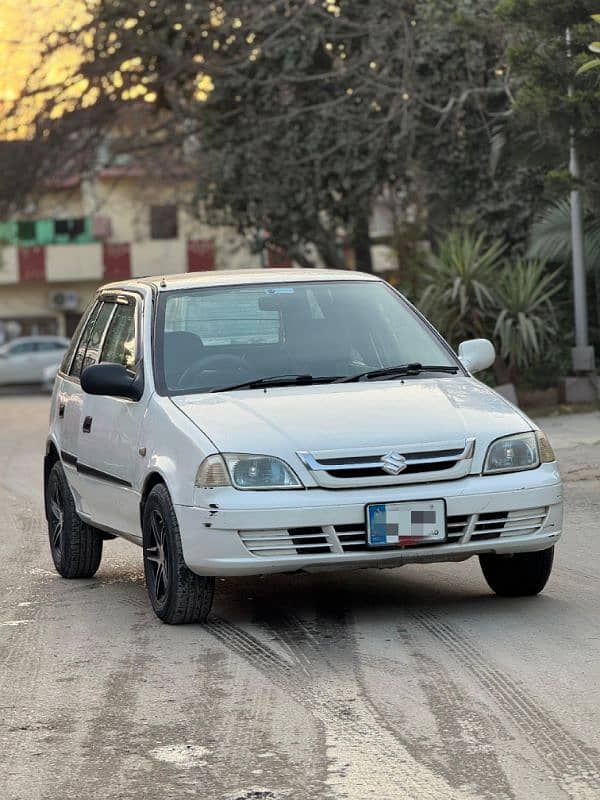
{"x":253,"y":533}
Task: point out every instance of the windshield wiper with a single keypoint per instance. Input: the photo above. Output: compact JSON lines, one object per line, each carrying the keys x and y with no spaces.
{"x":397,"y":372}
{"x":276,"y":380}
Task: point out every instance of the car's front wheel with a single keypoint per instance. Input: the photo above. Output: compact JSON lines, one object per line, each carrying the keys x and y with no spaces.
{"x":76,"y":547}
{"x":177,"y":594}
{"x":518,"y":575}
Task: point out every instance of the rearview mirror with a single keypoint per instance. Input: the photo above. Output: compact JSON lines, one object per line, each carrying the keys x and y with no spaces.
{"x":112,"y":380}
{"x":476,"y":354}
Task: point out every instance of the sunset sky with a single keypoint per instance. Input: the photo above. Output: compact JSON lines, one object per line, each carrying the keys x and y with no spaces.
{"x":23,"y":24}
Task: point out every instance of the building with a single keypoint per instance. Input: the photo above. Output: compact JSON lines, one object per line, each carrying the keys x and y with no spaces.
{"x":83,"y":231}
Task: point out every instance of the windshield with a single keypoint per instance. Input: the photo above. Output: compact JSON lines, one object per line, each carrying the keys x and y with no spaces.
{"x":216,"y":337}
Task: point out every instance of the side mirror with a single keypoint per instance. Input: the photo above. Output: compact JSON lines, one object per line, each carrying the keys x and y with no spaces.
{"x":112,"y":380}
{"x":476,"y":354}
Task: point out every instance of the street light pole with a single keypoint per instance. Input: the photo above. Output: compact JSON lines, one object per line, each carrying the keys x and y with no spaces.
{"x":582,"y":354}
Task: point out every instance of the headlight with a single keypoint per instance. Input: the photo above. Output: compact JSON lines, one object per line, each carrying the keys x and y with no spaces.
{"x":512,"y":453}
{"x":246,"y":472}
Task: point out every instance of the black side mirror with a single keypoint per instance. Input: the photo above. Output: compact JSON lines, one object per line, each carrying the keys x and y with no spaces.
{"x":112,"y":380}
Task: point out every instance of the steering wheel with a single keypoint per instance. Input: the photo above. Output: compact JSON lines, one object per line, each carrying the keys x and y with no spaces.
{"x":232,"y":363}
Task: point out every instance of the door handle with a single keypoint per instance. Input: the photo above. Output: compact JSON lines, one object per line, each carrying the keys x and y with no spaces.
{"x":61,"y":410}
{"x":87,"y":425}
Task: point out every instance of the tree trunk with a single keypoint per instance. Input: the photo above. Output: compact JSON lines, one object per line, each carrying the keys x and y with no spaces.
{"x":361,"y":241}
{"x":502,"y":371}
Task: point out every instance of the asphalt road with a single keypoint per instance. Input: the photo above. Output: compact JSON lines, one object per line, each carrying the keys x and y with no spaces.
{"x":412,"y":683}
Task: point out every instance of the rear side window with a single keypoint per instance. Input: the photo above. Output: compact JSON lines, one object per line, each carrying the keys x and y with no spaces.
{"x":119,"y":344}
{"x":68,"y":357}
{"x":92,"y":338}
{"x":81,"y":347}
{"x":96,"y":338}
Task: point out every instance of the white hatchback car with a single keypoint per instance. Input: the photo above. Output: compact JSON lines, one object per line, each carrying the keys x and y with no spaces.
{"x":243,"y":423}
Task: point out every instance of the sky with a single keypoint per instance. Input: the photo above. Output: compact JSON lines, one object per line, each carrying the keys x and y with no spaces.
{"x":23,"y":25}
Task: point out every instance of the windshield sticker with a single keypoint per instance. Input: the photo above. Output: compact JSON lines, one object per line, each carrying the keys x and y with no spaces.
{"x":280,"y":290}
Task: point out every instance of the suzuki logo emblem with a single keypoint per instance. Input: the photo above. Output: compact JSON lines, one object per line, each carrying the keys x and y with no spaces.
{"x":393,"y":463}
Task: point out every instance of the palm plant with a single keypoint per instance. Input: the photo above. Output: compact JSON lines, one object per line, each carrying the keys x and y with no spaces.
{"x":551,"y":236}
{"x":526,"y":320}
{"x":460,"y":277}
{"x":472,"y":291}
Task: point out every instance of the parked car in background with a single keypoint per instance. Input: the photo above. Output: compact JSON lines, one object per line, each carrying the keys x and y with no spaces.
{"x":49,"y":376}
{"x":23,"y":360}
{"x":246,"y":423}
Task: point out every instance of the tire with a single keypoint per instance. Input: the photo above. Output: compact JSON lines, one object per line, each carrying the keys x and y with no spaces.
{"x":518,"y":575}
{"x":76,"y":548}
{"x":178,"y":596}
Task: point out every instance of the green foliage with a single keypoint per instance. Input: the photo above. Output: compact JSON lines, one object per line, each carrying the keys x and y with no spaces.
{"x":473,"y":291}
{"x":594,"y":47}
{"x":526,"y":320}
{"x":549,"y":98}
{"x":315,"y":109}
{"x":551,"y":236}
{"x":459,"y":297}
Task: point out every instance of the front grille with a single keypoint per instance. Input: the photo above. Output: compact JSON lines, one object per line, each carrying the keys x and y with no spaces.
{"x":348,"y":470}
{"x":352,"y":538}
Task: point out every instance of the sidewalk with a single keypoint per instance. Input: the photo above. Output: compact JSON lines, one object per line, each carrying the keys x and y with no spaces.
{"x":571,"y":430}
{"x":576,"y":440}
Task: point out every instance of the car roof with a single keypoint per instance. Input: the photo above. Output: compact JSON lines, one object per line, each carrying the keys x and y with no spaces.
{"x":37,"y":337}
{"x":245,"y":277}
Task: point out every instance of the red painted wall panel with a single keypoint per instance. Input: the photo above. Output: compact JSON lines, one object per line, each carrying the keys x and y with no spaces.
{"x":200,"y":255}
{"x":277,"y":258}
{"x":117,"y":261}
{"x":32,"y":263}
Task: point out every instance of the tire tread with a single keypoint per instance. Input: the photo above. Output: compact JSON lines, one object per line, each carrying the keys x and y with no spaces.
{"x":82,"y":547}
{"x":519,"y":575}
{"x":190,"y":597}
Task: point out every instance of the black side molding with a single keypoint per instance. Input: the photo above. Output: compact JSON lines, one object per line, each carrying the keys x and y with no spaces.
{"x":91,"y":472}
{"x":72,"y":461}
{"x":67,"y":458}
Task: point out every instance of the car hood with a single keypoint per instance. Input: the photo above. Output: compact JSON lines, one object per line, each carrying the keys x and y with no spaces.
{"x":354,"y":417}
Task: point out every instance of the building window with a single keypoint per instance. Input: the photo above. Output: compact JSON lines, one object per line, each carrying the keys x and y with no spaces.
{"x":26,"y":231}
{"x":68,"y":230}
{"x":163,"y":222}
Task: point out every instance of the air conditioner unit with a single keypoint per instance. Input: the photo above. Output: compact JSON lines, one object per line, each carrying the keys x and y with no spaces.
{"x":61,"y":300}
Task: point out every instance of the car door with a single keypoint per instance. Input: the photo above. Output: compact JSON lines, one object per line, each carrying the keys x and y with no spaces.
{"x":68,"y":400}
{"x":48,"y":352}
{"x":18,"y":366}
{"x":109,"y":432}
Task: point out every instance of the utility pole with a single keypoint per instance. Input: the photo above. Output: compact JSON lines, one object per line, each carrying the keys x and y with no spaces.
{"x":582,"y":354}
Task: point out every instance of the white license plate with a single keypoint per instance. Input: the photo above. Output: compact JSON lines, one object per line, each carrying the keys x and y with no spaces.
{"x":400,"y":524}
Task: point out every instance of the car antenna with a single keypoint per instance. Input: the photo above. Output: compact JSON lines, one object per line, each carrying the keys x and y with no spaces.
{"x":163,"y":282}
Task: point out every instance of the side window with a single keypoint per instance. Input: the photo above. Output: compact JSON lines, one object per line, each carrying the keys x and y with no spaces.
{"x":78,"y":361}
{"x":22,"y":349}
{"x":48,"y":346}
{"x":87,"y":316}
{"x":92,"y":351}
{"x":120,"y":345}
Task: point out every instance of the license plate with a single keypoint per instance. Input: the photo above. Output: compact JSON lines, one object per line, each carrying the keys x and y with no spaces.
{"x":401,"y":524}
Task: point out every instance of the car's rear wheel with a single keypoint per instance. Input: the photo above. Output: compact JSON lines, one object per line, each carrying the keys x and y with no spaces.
{"x":76,"y":548}
{"x":518,"y":575}
{"x":177,"y":594}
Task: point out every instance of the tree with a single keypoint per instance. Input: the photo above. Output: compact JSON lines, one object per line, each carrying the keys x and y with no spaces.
{"x":544,"y":71}
{"x":594,"y":47}
{"x":295,"y":115}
